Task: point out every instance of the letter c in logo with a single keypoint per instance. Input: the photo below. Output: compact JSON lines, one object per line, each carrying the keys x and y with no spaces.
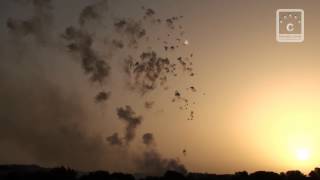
{"x":290,"y":27}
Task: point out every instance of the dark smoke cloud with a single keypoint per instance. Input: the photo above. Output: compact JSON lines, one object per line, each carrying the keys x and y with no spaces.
{"x":149,"y":15}
{"x":38,"y":25}
{"x":148,"y":139}
{"x":48,"y":123}
{"x":171,"y":21}
{"x":152,"y":162}
{"x":128,"y":116}
{"x":117,"y":43}
{"x":45,"y":122}
{"x":132,"y":121}
{"x":133,"y":30}
{"x":148,"y":12}
{"x":93,"y":12}
{"x":81,"y":42}
{"x":148,"y":71}
{"x":102,"y":96}
{"x":114,"y":139}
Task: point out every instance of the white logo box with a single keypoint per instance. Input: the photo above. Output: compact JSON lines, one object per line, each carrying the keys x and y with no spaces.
{"x":289,"y":23}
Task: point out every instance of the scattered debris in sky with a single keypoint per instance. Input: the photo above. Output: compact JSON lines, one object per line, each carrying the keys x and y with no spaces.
{"x":148,"y":139}
{"x":184,"y":152}
{"x":149,"y":61}
{"x":132,"y":121}
{"x":114,"y":139}
{"x":193,"y":89}
{"x":148,"y":104}
{"x":102,"y":96}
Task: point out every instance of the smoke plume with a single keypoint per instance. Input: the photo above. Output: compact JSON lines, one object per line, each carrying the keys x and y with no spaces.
{"x":114,"y":139}
{"x":92,"y":64}
{"x":45,"y":116}
{"x":148,"y":139}
{"x":93,"y":12}
{"x":38,"y":25}
{"x":153,"y":163}
{"x":132,"y":121}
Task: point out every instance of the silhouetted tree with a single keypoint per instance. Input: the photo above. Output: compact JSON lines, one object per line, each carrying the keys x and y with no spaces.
{"x":295,"y":175}
{"x":264,"y":175}
{"x":121,"y":176}
{"x":97,"y":175}
{"x":243,"y":175}
{"x":173,"y":175}
{"x":62,"y":173}
{"x":315,"y":174}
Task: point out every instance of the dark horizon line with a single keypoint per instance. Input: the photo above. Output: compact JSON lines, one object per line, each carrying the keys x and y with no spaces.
{"x":41,"y":167}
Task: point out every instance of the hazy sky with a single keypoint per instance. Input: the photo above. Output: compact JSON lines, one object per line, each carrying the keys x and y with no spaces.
{"x":256,"y":106}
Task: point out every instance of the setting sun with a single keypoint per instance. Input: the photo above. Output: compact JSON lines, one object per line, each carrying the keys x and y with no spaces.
{"x":303,"y":154}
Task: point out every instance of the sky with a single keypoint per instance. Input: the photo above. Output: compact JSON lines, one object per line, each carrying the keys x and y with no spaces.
{"x":72,"y":94}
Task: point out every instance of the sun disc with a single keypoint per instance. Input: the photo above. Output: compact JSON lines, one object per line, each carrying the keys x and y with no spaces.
{"x":303,"y":154}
